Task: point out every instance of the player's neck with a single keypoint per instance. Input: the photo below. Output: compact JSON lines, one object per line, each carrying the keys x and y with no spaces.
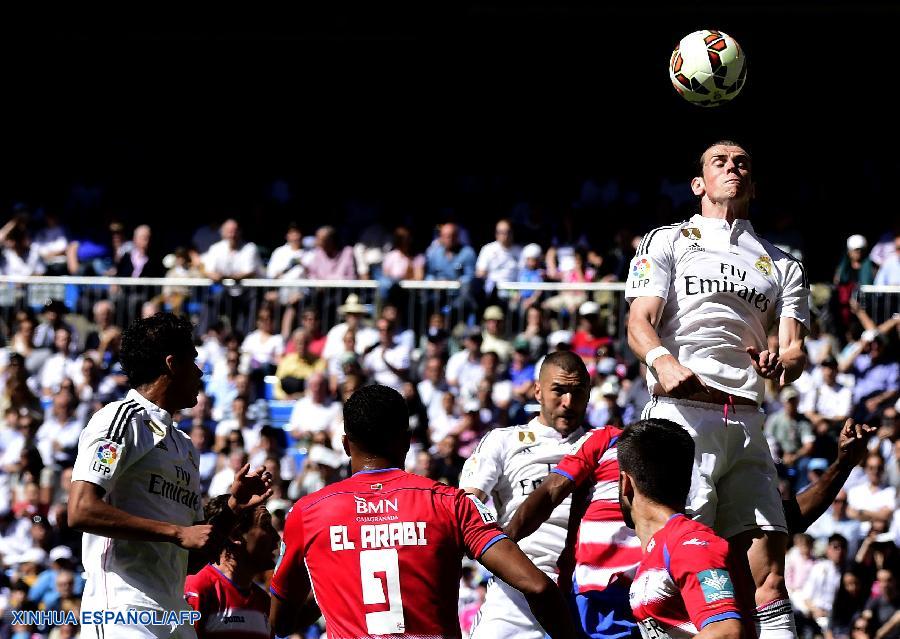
{"x":729,"y":210}
{"x":649,"y":518}
{"x":156,"y":392}
{"x":372,"y":462}
{"x":229,"y":567}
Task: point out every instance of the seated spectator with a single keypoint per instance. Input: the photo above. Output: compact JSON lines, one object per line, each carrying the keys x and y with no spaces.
{"x":232,"y":257}
{"x":530,"y":271}
{"x":872,"y":499}
{"x":889,"y":273}
{"x":603,"y":406}
{"x":262,"y":349}
{"x":498,"y":261}
{"x":591,"y":334}
{"x":581,"y":272}
{"x":315,"y":412}
{"x":848,"y":602}
{"x":297,"y":366}
{"x":329,"y":261}
{"x":877,"y":376}
{"x":104,"y":320}
{"x":791,"y":431}
{"x":464,"y":368}
{"x":45,"y":591}
{"x":287,"y":261}
{"x":19,"y":256}
{"x":448,"y":258}
{"x":53,"y":318}
{"x":312,"y":324}
{"x":140,"y":260}
{"x":241,"y":421}
{"x":820,"y":346}
{"x":521,"y":377}
{"x":445,"y":420}
{"x":61,"y":365}
{"x":536,"y":331}
{"x":433,"y":386}
{"x":835,"y":520}
{"x":446,"y":464}
{"x":354,"y":313}
{"x":401,"y":262}
{"x":22,"y":344}
{"x":821,"y":587}
{"x":180,"y":265}
{"x":855,"y":268}
{"x":221,"y":482}
{"x":202,"y":439}
{"x":223,"y":384}
{"x":57,"y":438}
{"x":200,"y":414}
{"x":339,"y":364}
{"x":493,"y":338}
{"x":884,"y":606}
{"x":50,"y":243}
{"x":798,"y":562}
{"x":388,"y":362}
{"x":828,"y":398}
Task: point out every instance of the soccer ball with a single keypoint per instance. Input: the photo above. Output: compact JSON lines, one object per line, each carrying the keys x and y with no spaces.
{"x":708,"y":68}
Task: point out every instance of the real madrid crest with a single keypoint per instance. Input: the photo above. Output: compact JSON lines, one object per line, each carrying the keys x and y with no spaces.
{"x":527,"y":437}
{"x":692,"y":233}
{"x":764,"y":265}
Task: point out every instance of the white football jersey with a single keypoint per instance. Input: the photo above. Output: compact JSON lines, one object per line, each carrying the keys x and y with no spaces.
{"x":148,"y":468}
{"x":725,"y":288}
{"x":508,"y":465}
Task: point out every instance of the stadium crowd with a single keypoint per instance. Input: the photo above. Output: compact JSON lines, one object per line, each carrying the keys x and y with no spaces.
{"x":462,"y":376}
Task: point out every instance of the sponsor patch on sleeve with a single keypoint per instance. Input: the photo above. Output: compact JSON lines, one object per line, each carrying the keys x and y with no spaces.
{"x":486,"y":515}
{"x":716,"y":585}
{"x":105,"y":457}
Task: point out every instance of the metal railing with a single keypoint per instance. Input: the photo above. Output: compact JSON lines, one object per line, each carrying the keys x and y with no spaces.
{"x":236,"y":303}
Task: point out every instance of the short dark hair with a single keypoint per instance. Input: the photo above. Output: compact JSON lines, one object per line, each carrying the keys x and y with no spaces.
{"x":376,"y":418}
{"x":658,"y":454}
{"x":569,"y":362}
{"x":839,"y":538}
{"x":147,"y":342}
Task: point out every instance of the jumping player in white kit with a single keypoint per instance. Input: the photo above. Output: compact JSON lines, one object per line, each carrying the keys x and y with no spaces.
{"x":705,"y":294}
{"x":136,"y":486}
{"x":508,"y":465}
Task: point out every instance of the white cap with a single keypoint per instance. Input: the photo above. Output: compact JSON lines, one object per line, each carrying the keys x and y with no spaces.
{"x":33,"y":556}
{"x":856,"y":242}
{"x":60,"y":552}
{"x":610,"y":387}
{"x":531,"y":250}
{"x":589,"y":308}
{"x":556,"y":338}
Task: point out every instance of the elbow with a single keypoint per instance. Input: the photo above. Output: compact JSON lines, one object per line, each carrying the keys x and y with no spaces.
{"x":537,"y":586}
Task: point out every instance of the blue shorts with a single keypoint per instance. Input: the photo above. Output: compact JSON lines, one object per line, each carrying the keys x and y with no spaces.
{"x":604,"y":614}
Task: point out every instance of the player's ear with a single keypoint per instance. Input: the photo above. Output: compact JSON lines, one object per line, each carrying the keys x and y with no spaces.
{"x":698,"y":186}
{"x":627,"y":486}
{"x":537,"y":390}
{"x":170,"y":363}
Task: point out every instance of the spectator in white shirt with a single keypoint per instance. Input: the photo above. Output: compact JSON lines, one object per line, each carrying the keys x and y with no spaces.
{"x":498,"y":261}
{"x":221,"y":481}
{"x":354,"y":313}
{"x":262,"y":349}
{"x":464,"y":368}
{"x":828,"y":399}
{"x":316,"y":412}
{"x":889,"y":273}
{"x":50,"y":243}
{"x":835,"y":520}
{"x":388,"y":362}
{"x":288,"y":262}
{"x":19,"y":256}
{"x":61,"y":365}
{"x":433,"y":387}
{"x":57,"y":438}
{"x":231,"y":257}
{"x":872,"y":499}
{"x":820,"y":588}
{"x":239,"y":421}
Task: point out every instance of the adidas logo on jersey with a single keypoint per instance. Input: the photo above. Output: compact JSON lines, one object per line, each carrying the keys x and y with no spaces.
{"x":695,"y":542}
{"x":694,"y":247}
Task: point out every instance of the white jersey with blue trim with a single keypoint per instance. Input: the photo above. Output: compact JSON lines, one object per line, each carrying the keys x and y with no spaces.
{"x":148,"y":468}
{"x":725,"y":289}
{"x":509,"y":464}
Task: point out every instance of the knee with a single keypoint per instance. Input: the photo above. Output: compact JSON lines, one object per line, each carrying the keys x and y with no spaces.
{"x":771,"y":587}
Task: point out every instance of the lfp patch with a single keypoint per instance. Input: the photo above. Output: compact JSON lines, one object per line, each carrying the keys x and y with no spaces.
{"x":107,"y":453}
{"x":716,"y":585}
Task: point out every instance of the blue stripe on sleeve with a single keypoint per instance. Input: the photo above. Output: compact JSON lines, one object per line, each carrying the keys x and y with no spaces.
{"x":492,"y":542}
{"x":563,"y":473}
{"x":274,"y":592}
{"x":722,"y":616}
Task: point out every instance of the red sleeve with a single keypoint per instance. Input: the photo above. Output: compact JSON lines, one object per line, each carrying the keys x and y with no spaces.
{"x":197,"y":592}
{"x":699,"y":565}
{"x":580,"y":464}
{"x":477,"y":524}
{"x":290,"y":579}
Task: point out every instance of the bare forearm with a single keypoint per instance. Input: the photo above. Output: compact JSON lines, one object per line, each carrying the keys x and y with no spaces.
{"x":816,"y":499}
{"x":642,"y":337}
{"x":100,"y":518}
{"x":535,"y":510}
{"x":794,"y":361}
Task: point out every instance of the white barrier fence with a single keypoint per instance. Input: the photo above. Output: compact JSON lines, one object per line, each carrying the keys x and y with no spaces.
{"x":236,"y":303}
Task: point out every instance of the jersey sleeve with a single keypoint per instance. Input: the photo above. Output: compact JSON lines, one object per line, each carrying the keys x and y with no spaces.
{"x":698,"y":564}
{"x":651,"y":270}
{"x":477,"y":524}
{"x":794,"y":299}
{"x":199,"y":595}
{"x":579,"y":465}
{"x":290,"y":579}
{"x":483,"y":468}
{"x":108,"y":445}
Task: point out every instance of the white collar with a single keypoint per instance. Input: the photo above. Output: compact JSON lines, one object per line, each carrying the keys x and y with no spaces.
{"x":154,"y":410}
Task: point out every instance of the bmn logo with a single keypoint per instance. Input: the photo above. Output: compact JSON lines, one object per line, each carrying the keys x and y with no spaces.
{"x":379,"y":507}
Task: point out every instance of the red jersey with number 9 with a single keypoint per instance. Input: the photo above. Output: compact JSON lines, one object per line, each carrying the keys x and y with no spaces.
{"x":383,"y":550}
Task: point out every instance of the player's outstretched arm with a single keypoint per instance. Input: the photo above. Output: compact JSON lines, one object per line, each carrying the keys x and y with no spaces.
{"x":535,"y":510}
{"x":815,"y":500}
{"x":89,"y":513}
{"x":509,"y":563}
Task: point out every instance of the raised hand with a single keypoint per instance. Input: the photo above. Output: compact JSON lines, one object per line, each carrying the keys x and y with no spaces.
{"x":853,"y":442}
{"x":249,"y":490}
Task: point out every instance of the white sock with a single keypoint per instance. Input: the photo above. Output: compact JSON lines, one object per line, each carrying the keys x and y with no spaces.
{"x":775,"y":620}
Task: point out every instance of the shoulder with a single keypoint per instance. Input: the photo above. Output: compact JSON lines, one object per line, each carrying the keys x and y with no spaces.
{"x":784,"y":260}
{"x":660,"y":236}
{"x":687,"y":535}
{"x":201,"y":580}
{"x":114,"y":416}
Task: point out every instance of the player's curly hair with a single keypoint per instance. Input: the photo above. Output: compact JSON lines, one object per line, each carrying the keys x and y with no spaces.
{"x":659,"y":456}
{"x":147,"y":342}
{"x":376,"y":418}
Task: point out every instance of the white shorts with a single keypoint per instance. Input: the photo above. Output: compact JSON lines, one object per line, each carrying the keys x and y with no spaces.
{"x":118,"y":631}
{"x":505,"y":614}
{"x":735,"y":485}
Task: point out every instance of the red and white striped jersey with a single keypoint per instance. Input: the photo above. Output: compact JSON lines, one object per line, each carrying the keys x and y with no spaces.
{"x":606,"y":547}
{"x":227,"y":611}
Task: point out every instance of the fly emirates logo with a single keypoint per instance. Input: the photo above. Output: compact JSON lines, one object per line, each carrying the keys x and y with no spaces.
{"x":731,"y":281}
